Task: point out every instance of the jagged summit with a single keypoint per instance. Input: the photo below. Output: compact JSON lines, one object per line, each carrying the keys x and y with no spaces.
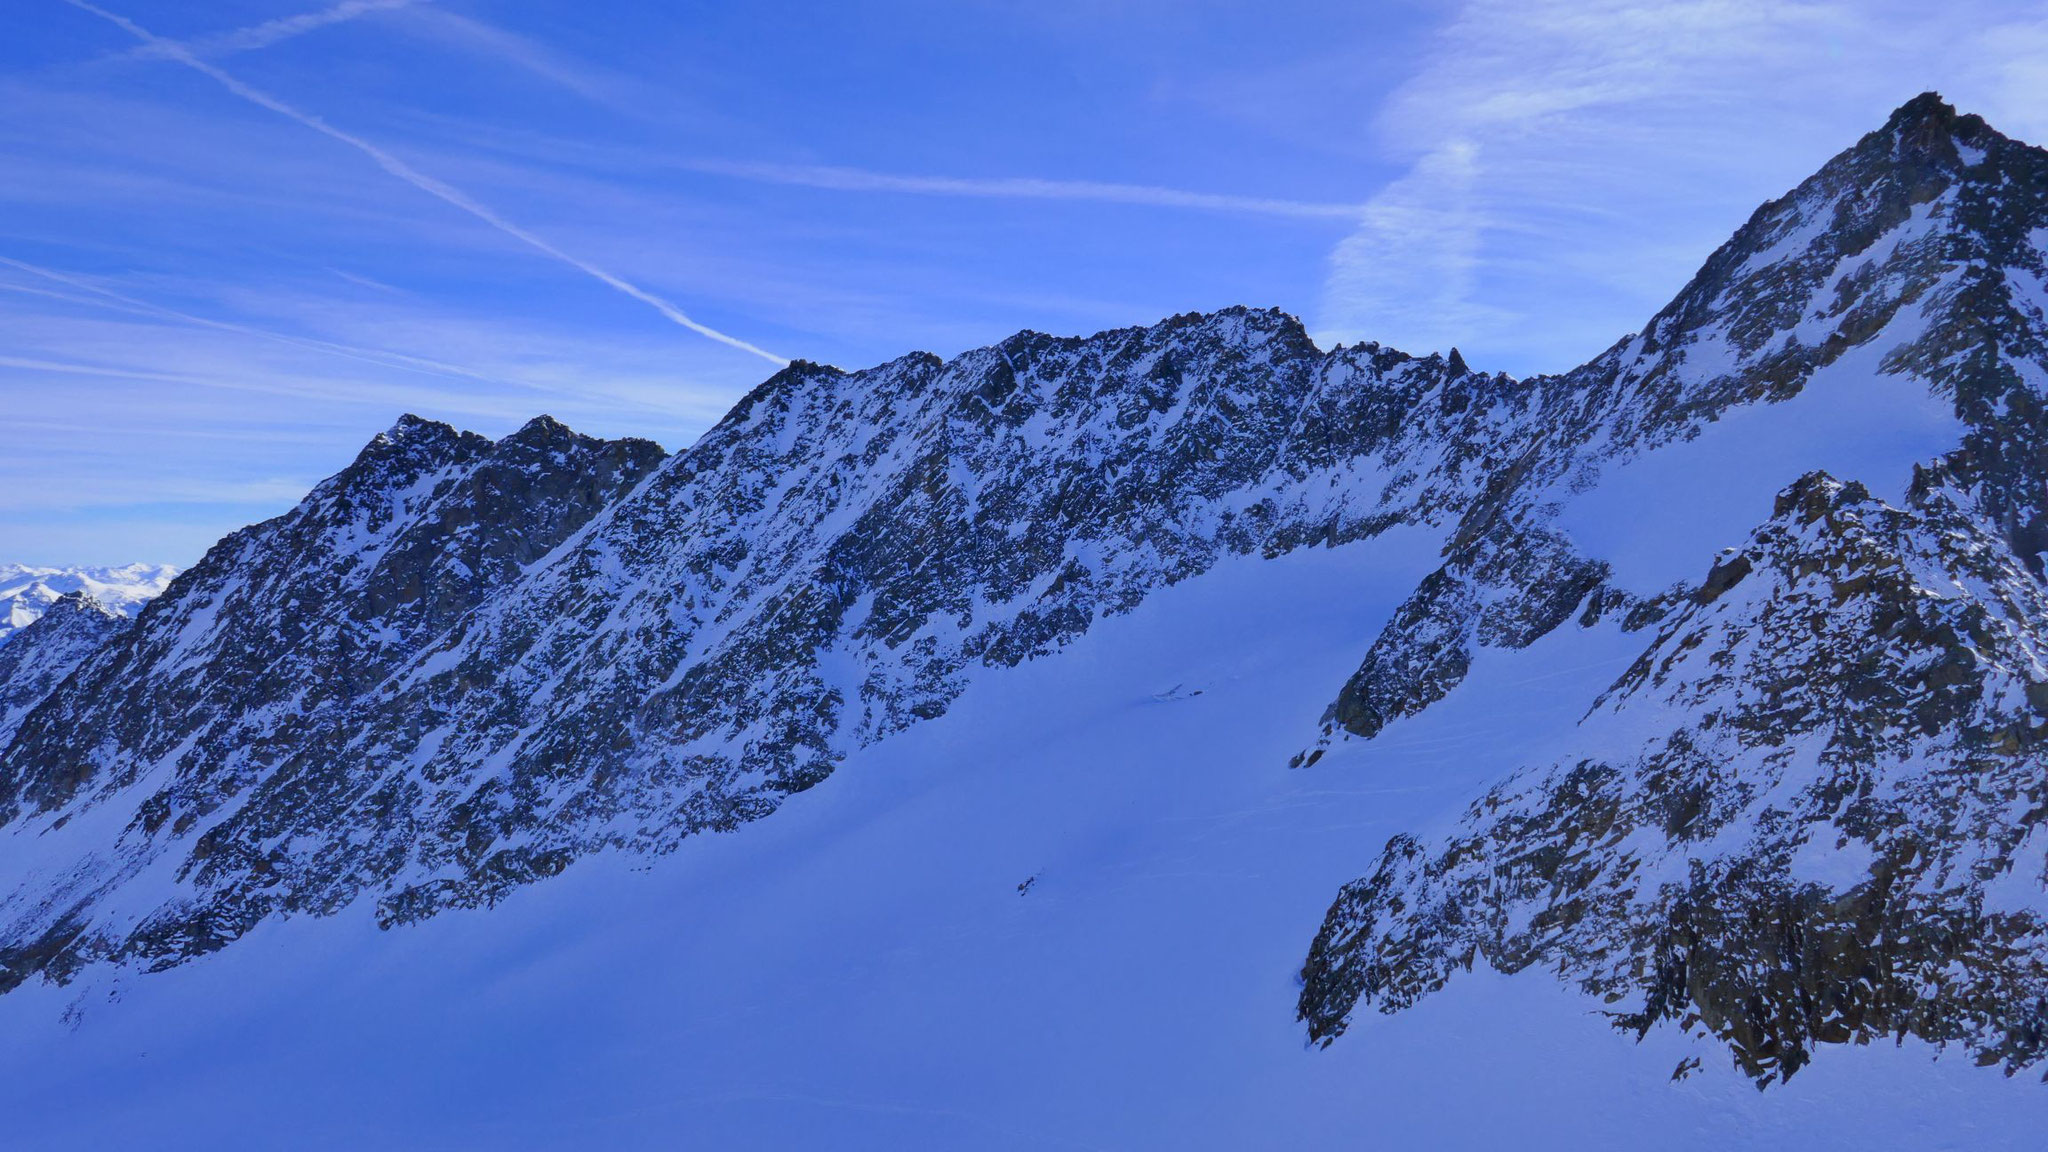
{"x":411,"y":426}
{"x":1928,"y":124}
{"x":542,"y":427}
{"x":82,"y":600}
{"x":541,"y":658}
{"x":1927,"y":107}
{"x":76,"y":604}
{"x":423,"y":526}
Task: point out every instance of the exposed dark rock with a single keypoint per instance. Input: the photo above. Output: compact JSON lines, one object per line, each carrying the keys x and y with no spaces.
{"x":1862,"y":694}
{"x":1933,"y":212}
{"x":1859,"y":681}
{"x":38,"y":658}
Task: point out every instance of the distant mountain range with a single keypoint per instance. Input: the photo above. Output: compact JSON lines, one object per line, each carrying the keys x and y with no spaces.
{"x":27,"y":592}
{"x":1806,"y":504}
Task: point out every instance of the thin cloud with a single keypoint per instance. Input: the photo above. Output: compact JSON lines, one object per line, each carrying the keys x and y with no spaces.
{"x":438,"y":189}
{"x":590,"y":380}
{"x":1571,"y":162}
{"x":69,"y":368}
{"x":1411,"y":267}
{"x":362,"y":281}
{"x":269,"y":384}
{"x":222,"y":382}
{"x":382,"y":357}
{"x":1020,"y":188}
{"x":263,"y":35}
{"x":599,"y":89}
{"x":484,"y":39}
{"x":1526,"y":116}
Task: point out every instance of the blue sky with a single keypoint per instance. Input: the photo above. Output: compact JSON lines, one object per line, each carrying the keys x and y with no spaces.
{"x":239,"y":237}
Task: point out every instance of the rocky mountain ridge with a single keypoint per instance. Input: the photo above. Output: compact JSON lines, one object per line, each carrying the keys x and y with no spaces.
{"x":1861,"y":686}
{"x":710,"y":636}
{"x":46,"y":651}
{"x":460,"y":665}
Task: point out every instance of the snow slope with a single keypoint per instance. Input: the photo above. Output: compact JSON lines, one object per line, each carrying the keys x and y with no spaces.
{"x":862,"y":971}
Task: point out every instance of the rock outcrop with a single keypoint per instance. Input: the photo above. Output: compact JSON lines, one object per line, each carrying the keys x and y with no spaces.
{"x":1808,"y":813}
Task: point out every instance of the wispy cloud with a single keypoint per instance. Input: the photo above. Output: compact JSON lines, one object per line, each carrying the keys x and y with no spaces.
{"x":1523,"y":121}
{"x":104,"y":296}
{"x":439,"y":189}
{"x":130,"y":351}
{"x":1413,"y":262}
{"x":487,"y":372}
{"x":136,"y":435}
{"x":263,"y":35}
{"x":71,"y":368}
{"x":468,"y":33}
{"x":2012,"y":75}
{"x":1572,"y":161}
{"x":601,"y":89}
{"x":1019,"y":188}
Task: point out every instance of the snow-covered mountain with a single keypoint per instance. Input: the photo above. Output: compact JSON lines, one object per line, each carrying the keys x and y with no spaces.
{"x":1048,"y":696}
{"x":49,"y":649}
{"x":27,"y":592}
{"x":1806,"y":813}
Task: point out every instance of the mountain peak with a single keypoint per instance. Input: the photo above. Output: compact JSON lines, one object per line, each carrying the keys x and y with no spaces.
{"x":1927,"y":130}
{"x":39,"y":656}
{"x":401,"y":454}
{"x":1877,"y":228}
{"x":541,"y":432}
{"x":543,"y":423}
{"x":81,"y":601}
{"x":412,"y":427}
{"x":1926,"y":108}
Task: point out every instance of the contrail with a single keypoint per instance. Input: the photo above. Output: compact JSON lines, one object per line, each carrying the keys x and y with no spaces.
{"x":270,"y":31}
{"x":383,"y":358}
{"x":862,"y":180}
{"x":173,"y":50}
